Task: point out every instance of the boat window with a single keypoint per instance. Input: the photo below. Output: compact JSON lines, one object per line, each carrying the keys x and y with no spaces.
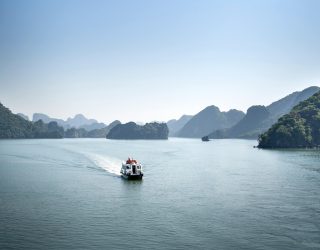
{"x":128,"y":167}
{"x":138,"y":167}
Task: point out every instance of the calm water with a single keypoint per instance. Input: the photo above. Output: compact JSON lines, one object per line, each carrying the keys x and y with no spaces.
{"x":224,"y":194}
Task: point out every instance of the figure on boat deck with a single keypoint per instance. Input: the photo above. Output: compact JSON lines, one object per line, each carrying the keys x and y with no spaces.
{"x":130,"y":161}
{"x":131,"y":170}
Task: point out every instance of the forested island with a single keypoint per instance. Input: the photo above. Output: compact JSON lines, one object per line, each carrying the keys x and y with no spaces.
{"x":295,"y":118}
{"x":259,"y":118}
{"x":298,"y":129}
{"x":17,"y":126}
{"x":131,"y":131}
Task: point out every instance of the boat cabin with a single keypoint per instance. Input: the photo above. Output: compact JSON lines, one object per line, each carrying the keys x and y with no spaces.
{"x":131,"y":169}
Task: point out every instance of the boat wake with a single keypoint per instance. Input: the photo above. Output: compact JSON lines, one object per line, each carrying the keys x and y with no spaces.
{"x":109,"y":164}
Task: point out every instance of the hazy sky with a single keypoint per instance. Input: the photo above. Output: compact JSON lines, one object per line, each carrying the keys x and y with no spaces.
{"x":154,"y":60}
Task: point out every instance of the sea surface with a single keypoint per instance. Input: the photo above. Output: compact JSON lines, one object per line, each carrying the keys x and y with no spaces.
{"x":222,"y":194}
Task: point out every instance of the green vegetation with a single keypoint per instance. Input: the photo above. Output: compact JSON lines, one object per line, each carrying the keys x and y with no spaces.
{"x":260,"y":118}
{"x":15,"y":127}
{"x":299,"y":128}
{"x":131,"y":130}
{"x":18,"y":127}
{"x":44,"y":130}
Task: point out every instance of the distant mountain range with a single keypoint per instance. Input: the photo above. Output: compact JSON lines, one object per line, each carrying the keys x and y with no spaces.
{"x":250,"y":126}
{"x":18,"y":126}
{"x":207,"y":120}
{"x":95,"y":133}
{"x":298,"y":129}
{"x":78,"y":121}
{"x":234,"y":123}
{"x":81,"y":127}
{"x":260,"y":118}
{"x":175,"y":125}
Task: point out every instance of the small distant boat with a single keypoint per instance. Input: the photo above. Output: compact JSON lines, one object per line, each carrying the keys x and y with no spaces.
{"x":131,"y":170}
{"x":205,"y":138}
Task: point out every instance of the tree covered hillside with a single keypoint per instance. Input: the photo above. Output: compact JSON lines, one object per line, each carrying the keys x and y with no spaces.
{"x":299,"y":128}
{"x":15,"y":127}
{"x":260,"y":118}
{"x":131,"y":131}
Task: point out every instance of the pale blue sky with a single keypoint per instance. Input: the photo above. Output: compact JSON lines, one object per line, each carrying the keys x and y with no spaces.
{"x":154,"y":60}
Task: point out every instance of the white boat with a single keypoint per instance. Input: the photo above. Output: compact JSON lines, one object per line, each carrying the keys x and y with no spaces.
{"x":131,"y":170}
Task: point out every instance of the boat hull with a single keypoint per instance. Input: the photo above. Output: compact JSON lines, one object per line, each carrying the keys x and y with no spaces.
{"x":132,"y":177}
